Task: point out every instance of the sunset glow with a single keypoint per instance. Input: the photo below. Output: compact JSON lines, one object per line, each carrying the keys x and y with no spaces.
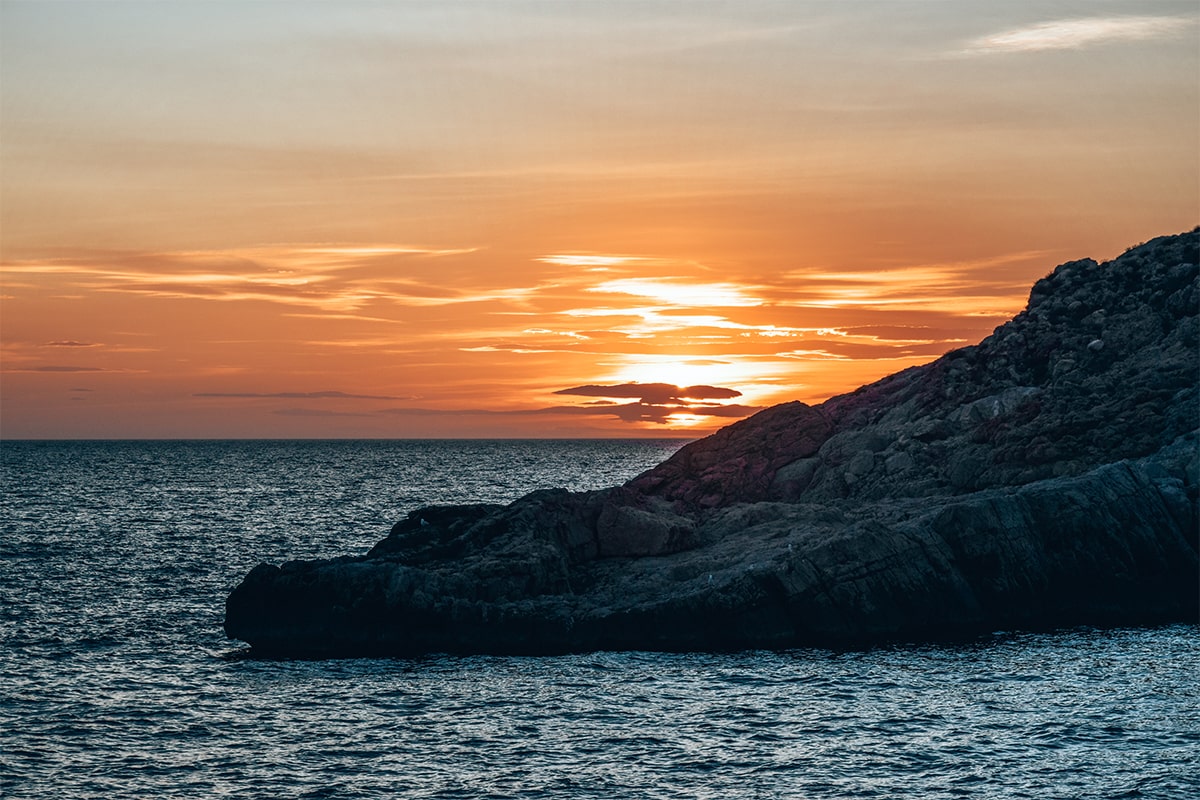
{"x":458,"y":219}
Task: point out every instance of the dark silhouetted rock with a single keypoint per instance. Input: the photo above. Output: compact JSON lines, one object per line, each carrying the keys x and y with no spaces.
{"x":1046,"y":476}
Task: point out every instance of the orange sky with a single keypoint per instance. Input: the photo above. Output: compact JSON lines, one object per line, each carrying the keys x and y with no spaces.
{"x":551,"y":218}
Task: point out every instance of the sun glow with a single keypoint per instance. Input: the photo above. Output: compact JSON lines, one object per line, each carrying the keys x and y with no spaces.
{"x":680,"y":292}
{"x":681,"y":372}
{"x":587,"y":260}
{"x":684,"y":420}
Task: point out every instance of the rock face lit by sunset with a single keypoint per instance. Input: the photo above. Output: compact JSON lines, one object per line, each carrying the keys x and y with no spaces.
{"x":551,"y":219}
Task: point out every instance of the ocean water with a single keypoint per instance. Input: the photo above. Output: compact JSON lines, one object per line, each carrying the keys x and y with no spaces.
{"x":116,"y":680}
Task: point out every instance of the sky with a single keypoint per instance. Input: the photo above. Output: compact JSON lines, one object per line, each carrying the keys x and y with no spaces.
{"x":551,"y":219}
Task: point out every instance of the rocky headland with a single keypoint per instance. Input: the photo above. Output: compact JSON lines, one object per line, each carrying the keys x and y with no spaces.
{"x":1047,"y":476}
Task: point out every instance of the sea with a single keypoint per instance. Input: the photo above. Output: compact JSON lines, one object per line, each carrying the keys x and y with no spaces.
{"x":116,"y":680}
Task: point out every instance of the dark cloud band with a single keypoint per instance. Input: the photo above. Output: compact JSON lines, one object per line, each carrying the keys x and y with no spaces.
{"x":654,"y":393}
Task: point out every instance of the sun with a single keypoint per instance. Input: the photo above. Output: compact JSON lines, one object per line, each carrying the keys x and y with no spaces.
{"x":682,"y":371}
{"x":685,"y":420}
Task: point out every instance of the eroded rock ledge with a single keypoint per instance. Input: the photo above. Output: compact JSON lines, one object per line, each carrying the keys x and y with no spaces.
{"x":1047,"y":476}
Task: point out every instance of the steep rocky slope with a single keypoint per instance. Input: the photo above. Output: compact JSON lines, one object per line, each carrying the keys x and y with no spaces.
{"x":1045,"y":476}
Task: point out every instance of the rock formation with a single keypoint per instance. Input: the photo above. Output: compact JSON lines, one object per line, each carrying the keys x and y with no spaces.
{"x":1046,"y":476}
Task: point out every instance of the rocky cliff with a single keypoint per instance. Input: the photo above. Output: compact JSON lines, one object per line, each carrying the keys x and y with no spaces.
{"x":1046,"y":476}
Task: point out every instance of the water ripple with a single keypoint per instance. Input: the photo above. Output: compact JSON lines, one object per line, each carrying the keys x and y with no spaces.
{"x":115,"y":559}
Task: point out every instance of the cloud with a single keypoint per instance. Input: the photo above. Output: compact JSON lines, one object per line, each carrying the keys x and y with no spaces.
{"x":658,"y":414}
{"x":654,"y":393}
{"x":314,"y":412}
{"x":627,"y":412}
{"x":70,"y":343}
{"x":55,"y":368}
{"x":814,"y":355}
{"x":1070,"y":34}
{"x":355,"y":252}
{"x":588,"y":260}
{"x":329,"y":278}
{"x":658,"y":403}
{"x":302,"y":395}
{"x":681,"y":292}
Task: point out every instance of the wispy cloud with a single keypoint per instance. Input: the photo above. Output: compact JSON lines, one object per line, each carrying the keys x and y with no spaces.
{"x":354,"y":252}
{"x":588,"y":260}
{"x":984,"y":287}
{"x":321,"y":278}
{"x":56,"y":368}
{"x":660,"y":403}
{"x":654,"y":393}
{"x":1068,"y":34}
{"x":301,"y":395}
{"x":626,"y":412}
{"x":316,"y":412}
{"x":681,"y":292}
